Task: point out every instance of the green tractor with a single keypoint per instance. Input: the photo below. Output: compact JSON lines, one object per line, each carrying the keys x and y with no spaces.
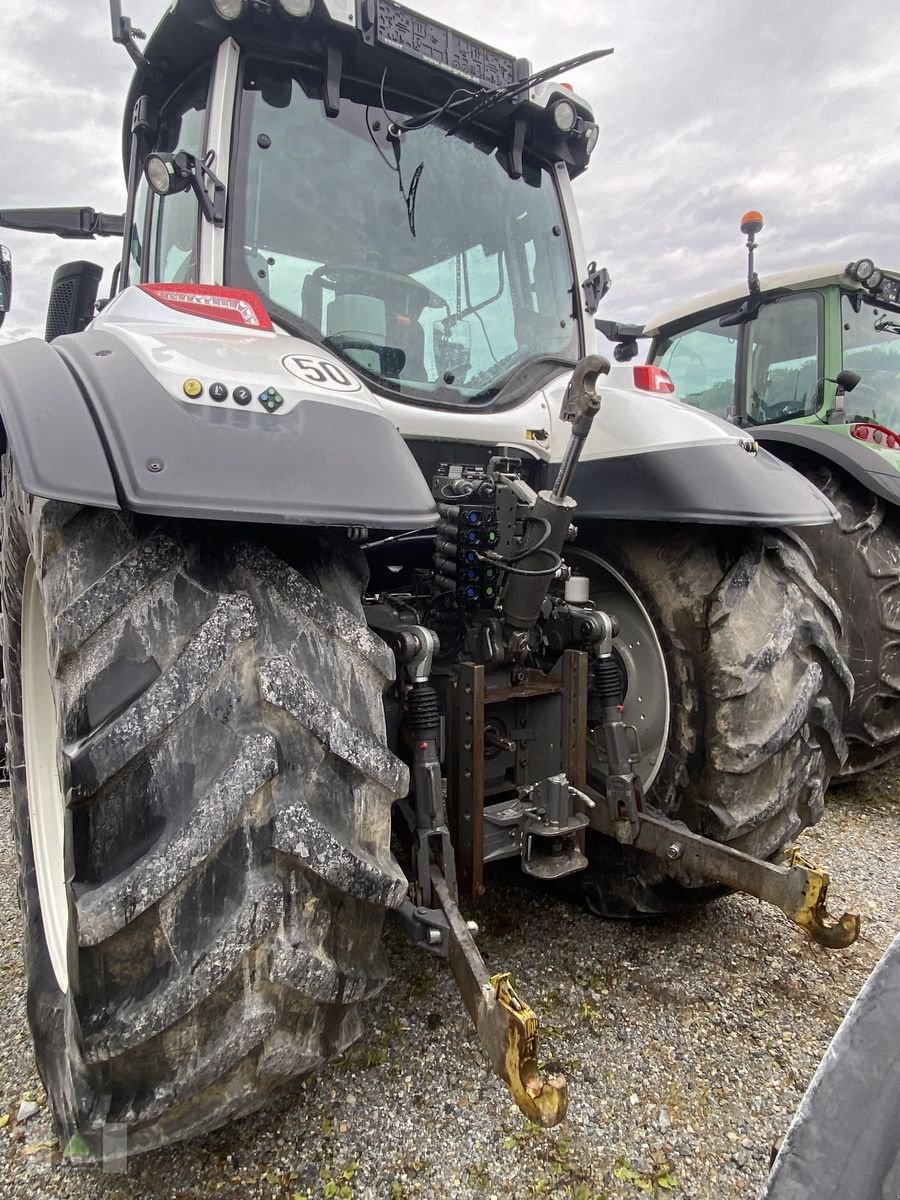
{"x":808,"y":362}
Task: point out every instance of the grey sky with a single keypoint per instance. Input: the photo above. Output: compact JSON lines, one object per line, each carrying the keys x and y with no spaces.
{"x":704,"y":112}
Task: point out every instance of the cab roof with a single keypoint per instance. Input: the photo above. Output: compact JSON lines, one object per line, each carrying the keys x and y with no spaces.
{"x":190,"y":32}
{"x":786,"y":281}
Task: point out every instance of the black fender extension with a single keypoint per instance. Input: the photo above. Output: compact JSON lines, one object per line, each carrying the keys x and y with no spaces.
{"x":858,"y":460}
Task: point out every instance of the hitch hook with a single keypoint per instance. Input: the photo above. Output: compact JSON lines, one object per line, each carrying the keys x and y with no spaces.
{"x":812,"y":914}
{"x":543,"y":1101}
{"x":507,"y":1027}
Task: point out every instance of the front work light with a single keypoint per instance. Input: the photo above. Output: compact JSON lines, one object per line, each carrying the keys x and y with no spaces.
{"x":862,"y":270}
{"x":564,"y":115}
{"x":296,"y":8}
{"x":230,"y":10}
{"x":167,"y":173}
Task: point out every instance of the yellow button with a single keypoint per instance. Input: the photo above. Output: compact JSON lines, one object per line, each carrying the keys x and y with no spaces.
{"x":193,"y":388}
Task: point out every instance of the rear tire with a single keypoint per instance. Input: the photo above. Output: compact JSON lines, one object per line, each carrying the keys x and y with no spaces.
{"x":756,"y":692}
{"x":224,"y":863}
{"x":858,"y":558}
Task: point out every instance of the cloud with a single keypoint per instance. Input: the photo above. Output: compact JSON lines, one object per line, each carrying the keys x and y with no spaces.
{"x":706,"y":109}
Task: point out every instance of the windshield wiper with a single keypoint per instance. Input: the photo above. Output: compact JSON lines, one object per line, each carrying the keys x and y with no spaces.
{"x":493,"y":98}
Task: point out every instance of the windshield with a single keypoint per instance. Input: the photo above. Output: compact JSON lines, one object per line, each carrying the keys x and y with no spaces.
{"x":872,"y":348}
{"x":417,"y":257}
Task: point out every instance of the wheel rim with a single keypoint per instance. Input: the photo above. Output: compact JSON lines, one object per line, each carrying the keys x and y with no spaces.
{"x":46,"y":802}
{"x":637,"y":646}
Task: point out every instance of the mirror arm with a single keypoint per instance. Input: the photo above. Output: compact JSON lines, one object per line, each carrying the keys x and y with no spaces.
{"x":75,"y":223}
{"x":213,"y":209}
{"x":124,"y":34}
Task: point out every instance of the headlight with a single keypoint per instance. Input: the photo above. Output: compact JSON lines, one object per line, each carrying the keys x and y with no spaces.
{"x":160,"y":173}
{"x":591,"y":137}
{"x":296,"y":8}
{"x":564,"y":115}
{"x":229,"y":10}
{"x":166,"y":173}
{"x":863,"y":269}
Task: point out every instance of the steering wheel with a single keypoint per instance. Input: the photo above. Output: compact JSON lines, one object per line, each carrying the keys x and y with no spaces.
{"x":777,"y":412}
{"x":348,"y":276}
{"x":861,"y":389}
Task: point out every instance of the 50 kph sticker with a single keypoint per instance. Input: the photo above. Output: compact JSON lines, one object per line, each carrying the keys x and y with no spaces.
{"x":322,"y":373}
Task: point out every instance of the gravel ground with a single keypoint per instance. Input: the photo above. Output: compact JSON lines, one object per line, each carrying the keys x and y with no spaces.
{"x":687,"y":1044}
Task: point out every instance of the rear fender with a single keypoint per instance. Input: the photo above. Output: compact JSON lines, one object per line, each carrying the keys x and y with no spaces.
{"x":108,"y":417}
{"x":49,"y":428}
{"x":845,"y":1137}
{"x":652,"y":458}
{"x":852,"y":456}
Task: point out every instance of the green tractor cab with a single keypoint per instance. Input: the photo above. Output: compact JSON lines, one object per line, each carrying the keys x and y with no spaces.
{"x":808,"y":362}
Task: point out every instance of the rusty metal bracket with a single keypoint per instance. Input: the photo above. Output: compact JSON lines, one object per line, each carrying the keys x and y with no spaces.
{"x":506,"y":1026}
{"x":798,"y":889}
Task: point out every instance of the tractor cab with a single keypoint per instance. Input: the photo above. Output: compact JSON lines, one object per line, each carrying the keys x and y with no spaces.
{"x":395,"y":192}
{"x":819,"y":346}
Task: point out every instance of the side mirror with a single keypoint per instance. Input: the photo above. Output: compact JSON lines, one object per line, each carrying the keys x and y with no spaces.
{"x":5,"y":282}
{"x":847,"y":380}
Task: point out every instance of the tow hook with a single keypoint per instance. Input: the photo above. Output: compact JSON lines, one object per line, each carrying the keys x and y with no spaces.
{"x":506,"y":1026}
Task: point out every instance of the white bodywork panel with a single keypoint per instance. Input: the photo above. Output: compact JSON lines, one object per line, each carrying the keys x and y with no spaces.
{"x":176,"y":347}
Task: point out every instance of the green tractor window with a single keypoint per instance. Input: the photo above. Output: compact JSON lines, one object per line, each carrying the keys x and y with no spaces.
{"x":702,"y":361}
{"x":872,"y":347}
{"x":785,"y":360}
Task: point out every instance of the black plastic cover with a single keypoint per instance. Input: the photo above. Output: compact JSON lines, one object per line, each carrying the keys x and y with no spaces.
{"x":707,"y":485}
{"x":73,"y":294}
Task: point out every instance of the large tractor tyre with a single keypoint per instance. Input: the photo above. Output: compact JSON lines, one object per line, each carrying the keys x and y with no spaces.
{"x":201,"y":798}
{"x":858,"y":558}
{"x":736,"y":688}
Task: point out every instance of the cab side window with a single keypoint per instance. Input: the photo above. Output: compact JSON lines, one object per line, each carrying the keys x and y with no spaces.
{"x":703,"y":364}
{"x":176,"y":218}
{"x":785,"y":366}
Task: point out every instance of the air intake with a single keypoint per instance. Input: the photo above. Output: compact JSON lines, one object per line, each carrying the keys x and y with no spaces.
{"x":73,"y":294}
